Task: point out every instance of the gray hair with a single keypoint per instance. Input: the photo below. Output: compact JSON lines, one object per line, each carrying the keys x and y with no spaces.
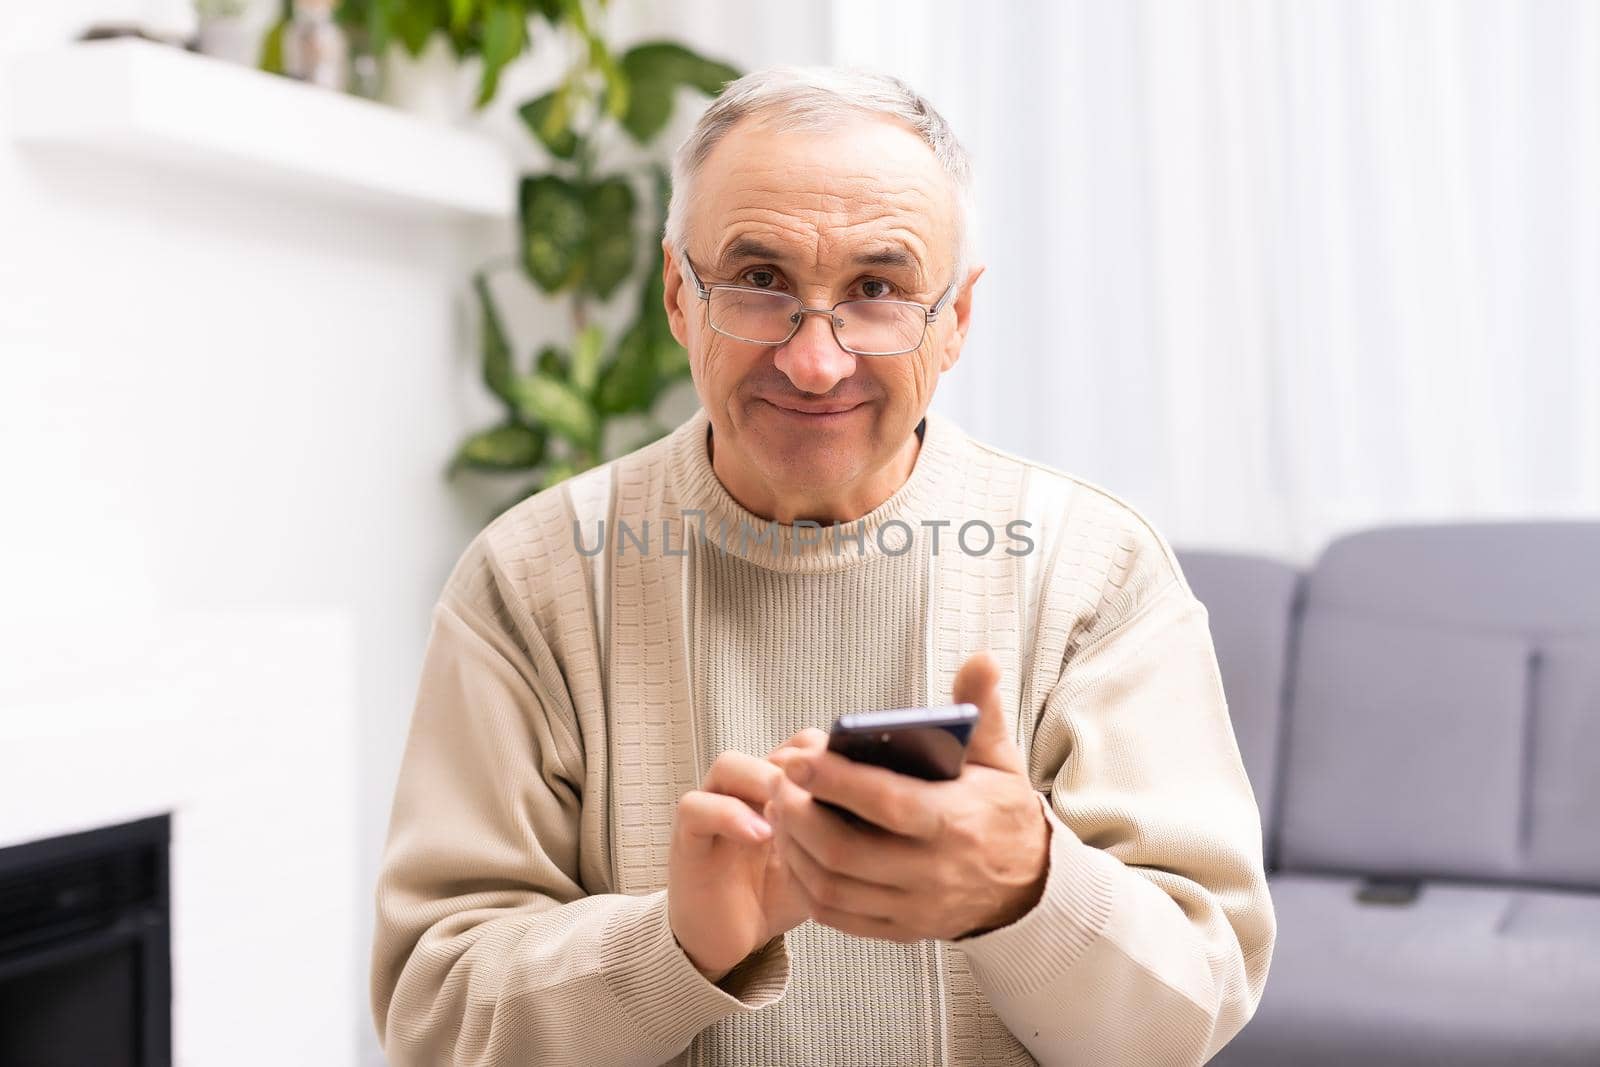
{"x":819,"y":98}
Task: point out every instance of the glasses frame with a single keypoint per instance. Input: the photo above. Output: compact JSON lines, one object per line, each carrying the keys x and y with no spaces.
{"x":931,"y":313}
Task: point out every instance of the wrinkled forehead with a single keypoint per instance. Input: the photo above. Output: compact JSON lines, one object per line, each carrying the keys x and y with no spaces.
{"x":865,"y":191}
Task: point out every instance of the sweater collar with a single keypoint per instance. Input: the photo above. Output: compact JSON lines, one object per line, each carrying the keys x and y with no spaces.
{"x":893,"y":528}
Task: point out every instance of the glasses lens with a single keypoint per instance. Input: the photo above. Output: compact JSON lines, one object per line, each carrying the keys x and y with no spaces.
{"x":752,"y":315}
{"x":880,"y":327}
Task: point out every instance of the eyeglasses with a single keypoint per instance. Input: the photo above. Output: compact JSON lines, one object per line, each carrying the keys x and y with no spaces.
{"x":862,"y":327}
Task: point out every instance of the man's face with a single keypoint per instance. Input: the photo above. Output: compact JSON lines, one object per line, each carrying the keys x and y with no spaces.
{"x":798,"y":212}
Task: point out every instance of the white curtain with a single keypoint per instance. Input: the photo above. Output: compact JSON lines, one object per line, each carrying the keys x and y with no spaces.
{"x":1275,"y":270}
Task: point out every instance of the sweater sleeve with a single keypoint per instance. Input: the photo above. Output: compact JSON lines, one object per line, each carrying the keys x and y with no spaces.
{"x":487,"y":950}
{"x":1151,"y":941}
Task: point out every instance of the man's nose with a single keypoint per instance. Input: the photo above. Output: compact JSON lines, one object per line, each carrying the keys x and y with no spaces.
{"x":812,"y":358}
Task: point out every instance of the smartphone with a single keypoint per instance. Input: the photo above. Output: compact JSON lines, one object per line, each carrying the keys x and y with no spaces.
{"x":926,"y":743}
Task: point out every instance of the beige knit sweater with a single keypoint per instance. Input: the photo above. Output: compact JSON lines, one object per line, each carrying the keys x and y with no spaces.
{"x":569,"y":696}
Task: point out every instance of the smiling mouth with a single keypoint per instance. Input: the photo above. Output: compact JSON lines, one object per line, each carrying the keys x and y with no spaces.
{"x":815,"y":411}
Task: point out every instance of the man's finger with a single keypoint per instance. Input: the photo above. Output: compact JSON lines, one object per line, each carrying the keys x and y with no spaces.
{"x":895,"y":802}
{"x":839,"y":891}
{"x":749,"y":778}
{"x":856,"y":925}
{"x":704,"y":817}
{"x":807,"y":740}
{"x":867,"y":854}
{"x":978,"y":682}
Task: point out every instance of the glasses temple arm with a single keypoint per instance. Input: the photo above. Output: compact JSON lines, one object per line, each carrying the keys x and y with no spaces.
{"x":933,"y":312}
{"x":694,"y":276}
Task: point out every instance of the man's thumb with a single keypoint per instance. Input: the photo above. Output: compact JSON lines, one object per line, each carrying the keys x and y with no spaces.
{"x":978,"y":682}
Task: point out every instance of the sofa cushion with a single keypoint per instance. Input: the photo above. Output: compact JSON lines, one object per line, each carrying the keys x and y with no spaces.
{"x":1563,"y":822}
{"x":1462,"y":975}
{"x":1250,"y":602}
{"x":1441,"y":718}
{"x":1533,"y":577}
{"x":1405,"y":748}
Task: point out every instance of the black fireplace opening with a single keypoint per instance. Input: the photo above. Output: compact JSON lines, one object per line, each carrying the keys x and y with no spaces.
{"x":85,"y":949}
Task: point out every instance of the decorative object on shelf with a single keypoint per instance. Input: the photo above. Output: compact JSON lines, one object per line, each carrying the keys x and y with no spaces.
{"x":581,"y":237}
{"x":224,"y":30}
{"x":315,"y":49}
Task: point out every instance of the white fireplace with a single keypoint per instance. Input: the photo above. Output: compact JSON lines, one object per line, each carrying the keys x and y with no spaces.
{"x":242,"y":725}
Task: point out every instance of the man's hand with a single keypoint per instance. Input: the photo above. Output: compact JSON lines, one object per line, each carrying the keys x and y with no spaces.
{"x":727,"y":893}
{"x":942,"y":859}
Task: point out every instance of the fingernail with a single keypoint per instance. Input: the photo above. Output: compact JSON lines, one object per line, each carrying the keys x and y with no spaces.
{"x":799,"y":771}
{"x":759,"y":829}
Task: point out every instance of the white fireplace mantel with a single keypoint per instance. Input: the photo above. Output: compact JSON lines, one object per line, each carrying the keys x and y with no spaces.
{"x":241,"y":723}
{"x":156,"y":103}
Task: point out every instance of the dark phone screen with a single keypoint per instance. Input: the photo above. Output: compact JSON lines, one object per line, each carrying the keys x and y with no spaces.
{"x":931,"y":752}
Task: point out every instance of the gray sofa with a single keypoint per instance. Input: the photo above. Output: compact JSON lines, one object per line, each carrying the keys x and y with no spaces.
{"x":1419,"y":714}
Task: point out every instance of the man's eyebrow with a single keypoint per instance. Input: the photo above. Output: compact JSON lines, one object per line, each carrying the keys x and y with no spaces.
{"x":889,"y":256}
{"x":744,"y":249}
{"x":747,"y":248}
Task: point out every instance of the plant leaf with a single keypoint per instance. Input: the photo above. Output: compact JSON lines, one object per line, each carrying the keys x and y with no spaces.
{"x":549,"y":118}
{"x":617,"y":88}
{"x":378,"y":18}
{"x":505,"y":32}
{"x":509,"y":447}
{"x":692,"y":69}
{"x":552,"y":362}
{"x":654,"y":71}
{"x":556,"y":405}
{"x":555,"y":228}
{"x":629,"y":381}
{"x":609,"y":207}
{"x":497,"y":369}
{"x":413,"y":23}
{"x":649,"y":108}
{"x":586,"y":359}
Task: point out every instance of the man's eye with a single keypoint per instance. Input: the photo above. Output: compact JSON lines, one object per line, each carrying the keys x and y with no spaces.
{"x":761,"y":278}
{"x":868,"y":290}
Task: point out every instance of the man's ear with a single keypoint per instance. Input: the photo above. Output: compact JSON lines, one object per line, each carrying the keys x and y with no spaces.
{"x":961,"y":306}
{"x":671,"y":287}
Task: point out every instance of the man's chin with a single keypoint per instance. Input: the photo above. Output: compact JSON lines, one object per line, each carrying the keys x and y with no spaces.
{"x":808,"y":471}
{"x":808,"y":464}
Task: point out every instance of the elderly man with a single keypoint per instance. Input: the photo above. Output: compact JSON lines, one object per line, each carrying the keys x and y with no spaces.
{"x":609,"y":842}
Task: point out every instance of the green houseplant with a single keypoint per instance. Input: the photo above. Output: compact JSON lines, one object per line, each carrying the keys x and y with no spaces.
{"x":581,"y":226}
{"x":580,"y":236}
